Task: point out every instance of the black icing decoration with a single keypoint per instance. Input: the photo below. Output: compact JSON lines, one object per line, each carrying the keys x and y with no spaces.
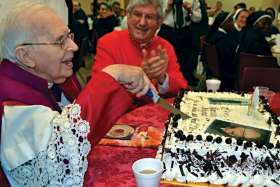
{"x":199,"y":137}
{"x":172,"y":164}
{"x":176,"y":117}
{"x":277,"y":145}
{"x":259,"y":145}
{"x":189,"y":137}
{"x":239,"y":142}
{"x":209,"y":138}
{"x":219,"y":140}
{"x":175,"y":124}
{"x":228,"y":141}
{"x":248,"y":144}
{"x":179,"y":134}
{"x":269,"y":145}
{"x":243,"y":157}
{"x":181,"y":170}
{"x":231,"y":160}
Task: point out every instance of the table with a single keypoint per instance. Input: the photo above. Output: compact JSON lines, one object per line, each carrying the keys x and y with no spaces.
{"x":110,"y":166}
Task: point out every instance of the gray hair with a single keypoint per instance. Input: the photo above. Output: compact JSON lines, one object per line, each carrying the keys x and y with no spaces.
{"x":16,"y":27}
{"x":157,"y":3}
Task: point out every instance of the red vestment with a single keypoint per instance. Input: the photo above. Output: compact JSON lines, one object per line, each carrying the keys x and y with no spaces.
{"x":118,"y":48}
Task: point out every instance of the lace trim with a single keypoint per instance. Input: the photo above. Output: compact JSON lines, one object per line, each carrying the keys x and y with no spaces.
{"x":64,"y":161}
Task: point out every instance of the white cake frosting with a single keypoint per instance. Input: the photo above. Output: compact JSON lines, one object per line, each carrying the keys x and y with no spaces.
{"x":190,"y":154}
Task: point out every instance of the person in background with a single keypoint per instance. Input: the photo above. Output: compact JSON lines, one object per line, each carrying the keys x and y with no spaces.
{"x":272,"y":13}
{"x":253,"y":39}
{"x":179,"y":15}
{"x":252,"y":10}
{"x":116,"y":7}
{"x":43,"y":144}
{"x":81,"y":31}
{"x":138,"y":46}
{"x":239,"y":5}
{"x":105,"y":23}
{"x":214,"y":34}
{"x":240,"y":18}
{"x":227,"y":40}
{"x":216,"y":10}
{"x":81,"y":18}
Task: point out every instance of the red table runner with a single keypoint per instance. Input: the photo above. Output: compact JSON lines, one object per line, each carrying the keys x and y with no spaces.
{"x":147,"y":123}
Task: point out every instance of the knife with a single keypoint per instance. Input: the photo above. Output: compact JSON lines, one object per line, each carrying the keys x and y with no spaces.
{"x":164,"y":104}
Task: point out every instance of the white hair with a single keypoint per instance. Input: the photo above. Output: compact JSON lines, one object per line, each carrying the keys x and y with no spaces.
{"x":157,"y":3}
{"x":16,"y":27}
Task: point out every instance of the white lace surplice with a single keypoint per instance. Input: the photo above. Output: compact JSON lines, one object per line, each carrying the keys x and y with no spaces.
{"x":40,"y":147}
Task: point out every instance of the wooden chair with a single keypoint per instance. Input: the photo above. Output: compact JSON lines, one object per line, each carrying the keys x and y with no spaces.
{"x":252,"y":60}
{"x":260,"y":76}
{"x":211,"y":60}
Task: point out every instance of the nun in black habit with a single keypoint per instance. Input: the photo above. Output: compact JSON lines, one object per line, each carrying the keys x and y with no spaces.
{"x":253,"y":39}
{"x":227,"y":39}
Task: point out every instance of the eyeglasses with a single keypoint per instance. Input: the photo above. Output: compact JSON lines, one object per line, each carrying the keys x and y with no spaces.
{"x":62,"y":42}
{"x":151,"y":18}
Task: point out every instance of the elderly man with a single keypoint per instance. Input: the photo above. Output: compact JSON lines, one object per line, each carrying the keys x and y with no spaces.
{"x":138,"y":46}
{"x":41,"y":143}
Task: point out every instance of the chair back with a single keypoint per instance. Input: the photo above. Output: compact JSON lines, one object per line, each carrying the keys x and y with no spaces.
{"x":252,"y":60}
{"x":211,"y":59}
{"x":260,"y":76}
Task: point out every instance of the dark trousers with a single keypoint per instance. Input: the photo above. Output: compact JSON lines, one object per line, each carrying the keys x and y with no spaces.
{"x":180,"y":39}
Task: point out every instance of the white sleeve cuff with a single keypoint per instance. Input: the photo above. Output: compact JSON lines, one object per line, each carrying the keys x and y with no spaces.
{"x":162,"y":88}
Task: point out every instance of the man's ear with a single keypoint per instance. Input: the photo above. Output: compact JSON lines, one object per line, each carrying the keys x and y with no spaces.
{"x":24,"y":56}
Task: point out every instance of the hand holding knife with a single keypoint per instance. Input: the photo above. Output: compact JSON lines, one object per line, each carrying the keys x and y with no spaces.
{"x":158,"y":100}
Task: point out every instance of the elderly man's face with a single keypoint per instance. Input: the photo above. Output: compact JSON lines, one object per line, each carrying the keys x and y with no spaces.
{"x":143,"y":23}
{"x":52,"y":62}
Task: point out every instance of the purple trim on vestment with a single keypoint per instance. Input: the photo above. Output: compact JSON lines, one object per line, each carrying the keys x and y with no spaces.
{"x":19,"y":85}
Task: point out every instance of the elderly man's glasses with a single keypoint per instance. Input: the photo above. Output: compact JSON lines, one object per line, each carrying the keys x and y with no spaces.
{"x":61,"y":42}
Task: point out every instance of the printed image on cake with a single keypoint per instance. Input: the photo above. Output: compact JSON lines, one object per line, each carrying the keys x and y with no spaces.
{"x":221,"y":143}
{"x":225,"y":128}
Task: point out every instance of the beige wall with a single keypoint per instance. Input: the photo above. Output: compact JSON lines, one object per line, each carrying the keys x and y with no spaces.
{"x":258,"y":4}
{"x":227,"y":4}
{"x":86,"y":4}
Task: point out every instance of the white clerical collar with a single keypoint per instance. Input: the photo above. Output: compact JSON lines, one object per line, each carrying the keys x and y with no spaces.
{"x":236,"y":27}
{"x":50,"y":84}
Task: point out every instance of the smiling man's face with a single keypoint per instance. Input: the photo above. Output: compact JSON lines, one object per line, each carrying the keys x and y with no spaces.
{"x":143,"y":22}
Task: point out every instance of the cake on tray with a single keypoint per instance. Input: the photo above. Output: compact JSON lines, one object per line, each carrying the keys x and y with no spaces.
{"x":221,"y":143}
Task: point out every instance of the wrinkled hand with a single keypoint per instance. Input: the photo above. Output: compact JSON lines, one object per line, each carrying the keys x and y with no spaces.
{"x":155,"y":64}
{"x":132,"y":78}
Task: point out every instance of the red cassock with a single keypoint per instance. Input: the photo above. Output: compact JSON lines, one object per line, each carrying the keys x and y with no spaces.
{"x":118,"y":48}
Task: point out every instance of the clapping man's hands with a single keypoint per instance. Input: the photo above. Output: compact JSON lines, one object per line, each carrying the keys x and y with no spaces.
{"x":155,"y":64}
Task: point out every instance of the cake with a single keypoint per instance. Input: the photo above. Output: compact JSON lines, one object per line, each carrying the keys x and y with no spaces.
{"x":221,"y":143}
